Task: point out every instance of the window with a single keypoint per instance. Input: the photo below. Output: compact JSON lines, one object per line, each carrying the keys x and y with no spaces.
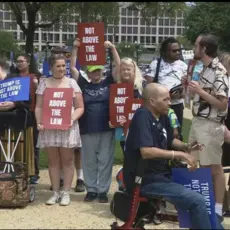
{"x":1,"y":25}
{"x":7,"y":15}
{"x":123,"y":11}
{"x":44,"y":37}
{"x":154,"y":22}
{"x":166,"y":22}
{"x":13,"y":25}
{"x":135,"y":21}
{"x":50,"y":37}
{"x":153,"y":38}
{"x":135,"y":38}
{"x":172,"y":31}
{"x":154,"y":31}
{"x":110,"y":30}
{"x":143,"y":22}
{"x":1,"y":15}
{"x":135,"y":30}
{"x":116,"y":38}
{"x":179,"y":22}
{"x":56,"y":37}
{"x":129,"y":39}
{"x":64,"y":28}
{"x":161,"y":30}
{"x":110,"y":38}
{"x":135,"y":13}
{"x":130,"y":30}
{"x":142,"y":30}
{"x":15,"y":35}
{"x":7,"y":25}
{"x":123,"y":38}
{"x":179,"y":31}
{"x":166,"y":31}
{"x":160,"y":39}
{"x":148,"y":40}
{"x":64,"y":37}
{"x":71,"y":28}
{"x":172,"y":22}
{"x":130,"y":12}
{"x":142,"y":40}
{"x":22,"y":36}
{"x":123,"y":21}
{"x":161,"y":22}
{"x":36,"y":37}
{"x":130,"y":21}
{"x":116,"y":30}
{"x":148,"y":30}
{"x":123,"y":30}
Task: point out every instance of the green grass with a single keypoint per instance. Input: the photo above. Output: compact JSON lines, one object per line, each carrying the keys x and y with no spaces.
{"x":118,"y":152}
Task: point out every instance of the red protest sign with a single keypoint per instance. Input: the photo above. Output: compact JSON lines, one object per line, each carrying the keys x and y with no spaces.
{"x":92,"y":50}
{"x":118,"y":95}
{"x":130,"y":107}
{"x":57,"y":107}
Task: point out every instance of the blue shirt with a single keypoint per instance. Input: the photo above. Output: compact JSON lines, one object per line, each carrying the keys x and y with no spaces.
{"x":96,"y":101}
{"x":146,"y":131}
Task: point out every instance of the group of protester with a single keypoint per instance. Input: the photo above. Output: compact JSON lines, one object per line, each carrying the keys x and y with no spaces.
{"x":92,"y":137}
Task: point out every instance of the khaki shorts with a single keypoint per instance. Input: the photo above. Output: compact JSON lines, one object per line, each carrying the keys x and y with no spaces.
{"x":211,"y":134}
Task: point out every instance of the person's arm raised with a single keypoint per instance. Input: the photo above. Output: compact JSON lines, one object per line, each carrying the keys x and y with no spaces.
{"x":73,"y":60}
{"x":116,"y":57}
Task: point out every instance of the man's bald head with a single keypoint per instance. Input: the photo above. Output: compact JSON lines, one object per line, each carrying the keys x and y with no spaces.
{"x":157,"y":97}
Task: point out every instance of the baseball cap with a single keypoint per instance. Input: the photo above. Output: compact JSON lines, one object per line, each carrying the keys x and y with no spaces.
{"x":91,"y":68}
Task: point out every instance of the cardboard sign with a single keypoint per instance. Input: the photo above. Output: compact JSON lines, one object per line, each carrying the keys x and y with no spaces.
{"x":119,"y":93}
{"x":191,"y":66}
{"x":92,"y":50}
{"x":130,"y":108}
{"x":15,"y":89}
{"x":57,"y":108}
{"x":199,"y":181}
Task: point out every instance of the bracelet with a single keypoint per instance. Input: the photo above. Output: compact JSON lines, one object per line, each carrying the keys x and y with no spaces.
{"x":173,"y":154}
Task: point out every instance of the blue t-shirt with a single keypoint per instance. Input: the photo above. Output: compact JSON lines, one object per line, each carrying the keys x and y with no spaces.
{"x":146,"y":131}
{"x":96,"y":101}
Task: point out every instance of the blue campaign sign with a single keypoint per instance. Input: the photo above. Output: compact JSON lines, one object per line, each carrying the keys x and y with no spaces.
{"x":199,"y":181}
{"x":15,"y":89}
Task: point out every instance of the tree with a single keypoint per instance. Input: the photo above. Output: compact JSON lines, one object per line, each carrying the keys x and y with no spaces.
{"x":7,"y":44}
{"x":148,"y":10}
{"x":52,"y":13}
{"x":185,"y":42}
{"x":210,"y":17}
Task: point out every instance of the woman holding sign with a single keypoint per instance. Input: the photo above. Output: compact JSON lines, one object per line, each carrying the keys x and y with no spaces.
{"x":98,"y":142}
{"x":57,"y":138}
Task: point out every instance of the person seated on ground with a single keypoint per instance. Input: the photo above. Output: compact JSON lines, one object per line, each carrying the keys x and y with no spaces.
{"x":149,"y":137}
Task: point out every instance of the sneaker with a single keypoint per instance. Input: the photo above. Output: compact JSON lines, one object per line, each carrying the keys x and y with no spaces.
{"x":103,"y":198}
{"x":61,"y":185}
{"x":53,"y":199}
{"x":90,"y":196}
{"x":80,"y":186}
{"x":65,"y":198}
{"x":33,"y":180}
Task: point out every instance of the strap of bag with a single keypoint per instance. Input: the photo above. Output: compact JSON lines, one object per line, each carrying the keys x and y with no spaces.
{"x":157,"y":70}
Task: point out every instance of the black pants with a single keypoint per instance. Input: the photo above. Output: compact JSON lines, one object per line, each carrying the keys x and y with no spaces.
{"x":36,"y":150}
{"x":179,"y":111}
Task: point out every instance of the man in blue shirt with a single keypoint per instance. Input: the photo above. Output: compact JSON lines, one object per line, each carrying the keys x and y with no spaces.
{"x":149,"y":137}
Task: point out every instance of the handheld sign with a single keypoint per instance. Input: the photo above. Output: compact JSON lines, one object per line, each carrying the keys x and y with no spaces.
{"x":199,"y":181}
{"x":118,"y":95}
{"x":57,"y":107}
{"x":92,"y":50}
{"x":15,"y":89}
{"x":130,"y":108}
{"x":191,"y":66}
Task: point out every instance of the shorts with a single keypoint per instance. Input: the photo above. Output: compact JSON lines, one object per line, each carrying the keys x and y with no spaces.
{"x":211,"y":134}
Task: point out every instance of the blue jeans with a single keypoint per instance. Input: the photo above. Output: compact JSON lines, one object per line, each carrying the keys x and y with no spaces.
{"x":179,"y":196}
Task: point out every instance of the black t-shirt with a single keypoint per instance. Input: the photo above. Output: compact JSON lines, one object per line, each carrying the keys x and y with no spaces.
{"x":96,"y":101}
{"x":146,"y":131}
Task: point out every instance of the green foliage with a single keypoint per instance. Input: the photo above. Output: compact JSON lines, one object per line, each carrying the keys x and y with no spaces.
{"x":185,"y":42}
{"x":210,"y":17}
{"x":8,"y":44}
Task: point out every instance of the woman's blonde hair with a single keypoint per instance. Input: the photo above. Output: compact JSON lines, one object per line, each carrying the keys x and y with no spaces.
{"x":224,"y":58}
{"x":138,"y":80}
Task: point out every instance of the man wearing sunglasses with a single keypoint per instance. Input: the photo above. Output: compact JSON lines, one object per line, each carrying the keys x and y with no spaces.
{"x":168,"y":71}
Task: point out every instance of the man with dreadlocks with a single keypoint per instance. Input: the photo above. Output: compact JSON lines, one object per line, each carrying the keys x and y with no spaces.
{"x":168,"y":71}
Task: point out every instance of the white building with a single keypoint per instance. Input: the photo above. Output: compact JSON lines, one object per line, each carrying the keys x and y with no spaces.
{"x":132,"y":28}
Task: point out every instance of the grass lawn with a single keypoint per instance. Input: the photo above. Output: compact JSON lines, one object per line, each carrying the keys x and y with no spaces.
{"x":118,"y":153}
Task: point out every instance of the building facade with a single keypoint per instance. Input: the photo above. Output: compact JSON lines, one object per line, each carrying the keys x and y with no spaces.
{"x":132,"y":28}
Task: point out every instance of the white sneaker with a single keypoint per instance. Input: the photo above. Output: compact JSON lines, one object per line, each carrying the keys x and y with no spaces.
{"x":65,"y":198}
{"x":53,"y":199}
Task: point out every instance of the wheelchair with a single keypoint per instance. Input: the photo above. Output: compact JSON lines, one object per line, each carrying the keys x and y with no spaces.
{"x":133,"y":209}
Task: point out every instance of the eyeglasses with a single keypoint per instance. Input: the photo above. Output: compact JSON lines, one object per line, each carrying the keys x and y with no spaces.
{"x":176,"y":50}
